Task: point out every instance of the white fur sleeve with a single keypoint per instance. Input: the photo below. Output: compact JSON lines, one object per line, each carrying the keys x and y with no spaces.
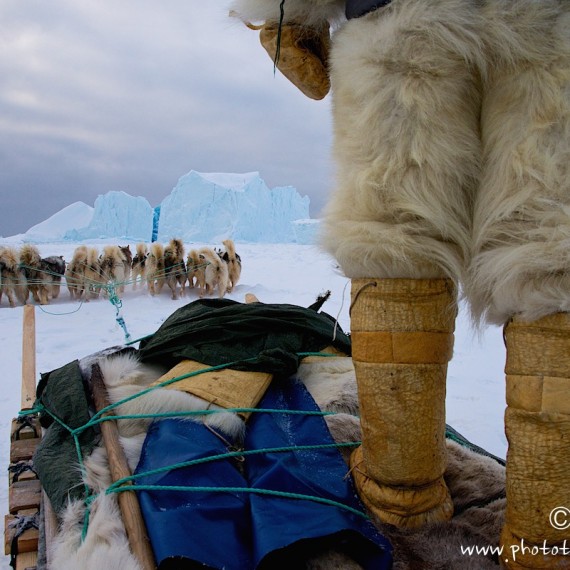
{"x":309,"y":12}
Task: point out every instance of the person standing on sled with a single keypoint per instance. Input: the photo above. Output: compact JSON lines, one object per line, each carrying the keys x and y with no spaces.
{"x":452,"y":148}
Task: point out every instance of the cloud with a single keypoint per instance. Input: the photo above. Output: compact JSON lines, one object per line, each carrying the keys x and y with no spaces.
{"x":100,"y":95}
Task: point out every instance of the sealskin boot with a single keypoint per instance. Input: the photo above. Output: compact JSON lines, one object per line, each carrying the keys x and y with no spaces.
{"x":402,"y":340}
{"x":536,"y":533}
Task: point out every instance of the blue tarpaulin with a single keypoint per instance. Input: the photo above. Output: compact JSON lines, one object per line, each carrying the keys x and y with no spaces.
{"x":240,"y":530}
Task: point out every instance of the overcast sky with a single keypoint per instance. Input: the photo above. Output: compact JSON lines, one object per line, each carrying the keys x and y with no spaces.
{"x":101,"y":95}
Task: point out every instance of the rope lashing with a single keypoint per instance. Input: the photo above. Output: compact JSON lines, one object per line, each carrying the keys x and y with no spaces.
{"x":118,"y":304}
{"x":17,"y":469}
{"x":21,"y":524}
{"x":120,"y":485}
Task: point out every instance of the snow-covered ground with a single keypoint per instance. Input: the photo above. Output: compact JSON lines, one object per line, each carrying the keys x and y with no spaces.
{"x":282,"y":273}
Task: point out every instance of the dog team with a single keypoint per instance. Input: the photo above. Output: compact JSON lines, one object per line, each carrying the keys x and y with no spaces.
{"x":24,"y":272}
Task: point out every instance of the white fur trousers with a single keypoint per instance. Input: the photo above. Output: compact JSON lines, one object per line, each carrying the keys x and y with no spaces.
{"x":452,"y":145}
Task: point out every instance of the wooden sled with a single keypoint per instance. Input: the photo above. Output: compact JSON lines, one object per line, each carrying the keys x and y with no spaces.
{"x":27,"y":503}
{"x":31,"y":524}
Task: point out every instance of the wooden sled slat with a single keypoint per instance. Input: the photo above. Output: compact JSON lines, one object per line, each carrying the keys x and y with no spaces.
{"x":27,"y":541}
{"x":29,"y":358}
{"x":24,"y":493}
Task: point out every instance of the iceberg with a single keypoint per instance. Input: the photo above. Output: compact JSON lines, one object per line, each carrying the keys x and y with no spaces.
{"x":117,"y":215}
{"x":210,"y":207}
{"x":56,"y":227}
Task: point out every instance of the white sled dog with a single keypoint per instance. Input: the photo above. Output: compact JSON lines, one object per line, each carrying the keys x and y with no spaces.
{"x":234,"y":263}
{"x":215,"y":273}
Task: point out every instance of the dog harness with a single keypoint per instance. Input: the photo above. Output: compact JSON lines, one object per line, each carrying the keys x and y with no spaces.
{"x":357,"y":8}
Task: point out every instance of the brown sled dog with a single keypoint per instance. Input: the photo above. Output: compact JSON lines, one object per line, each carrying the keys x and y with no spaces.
{"x":139,"y":264}
{"x":112,"y":263}
{"x":155,"y":268}
{"x":234,"y":263}
{"x":195,"y":270}
{"x":174,"y":268}
{"x":216,"y":272}
{"x":94,"y":280}
{"x":37,"y":274}
{"x":12,"y":278}
{"x":75,"y":272}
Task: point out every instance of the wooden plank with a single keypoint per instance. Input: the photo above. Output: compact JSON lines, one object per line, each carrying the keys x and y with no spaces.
{"x":24,"y":495}
{"x":119,"y":468}
{"x":27,"y":561}
{"x":50,"y":525}
{"x":23,"y":449}
{"x":29,"y":358}
{"x":27,"y":541}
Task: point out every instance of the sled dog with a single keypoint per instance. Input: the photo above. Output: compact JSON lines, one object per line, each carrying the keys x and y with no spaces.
{"x":174,"y":268}
{"x":155,"y":268}
{"x":234,"y":263}
{"x":12,"y":279}
{"x":215,"y":274}
{"x":139,"y":264}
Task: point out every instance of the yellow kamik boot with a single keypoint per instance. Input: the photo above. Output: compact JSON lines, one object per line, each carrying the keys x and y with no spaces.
{"x":402,"y":340}
{"x":536,"y":533}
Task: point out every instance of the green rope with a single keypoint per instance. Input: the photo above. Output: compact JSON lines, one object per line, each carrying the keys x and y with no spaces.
{"x":41,"y":308}
{"x":117,"y":303}
{"x":227,"y":455}
{"x":271,"y":492}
